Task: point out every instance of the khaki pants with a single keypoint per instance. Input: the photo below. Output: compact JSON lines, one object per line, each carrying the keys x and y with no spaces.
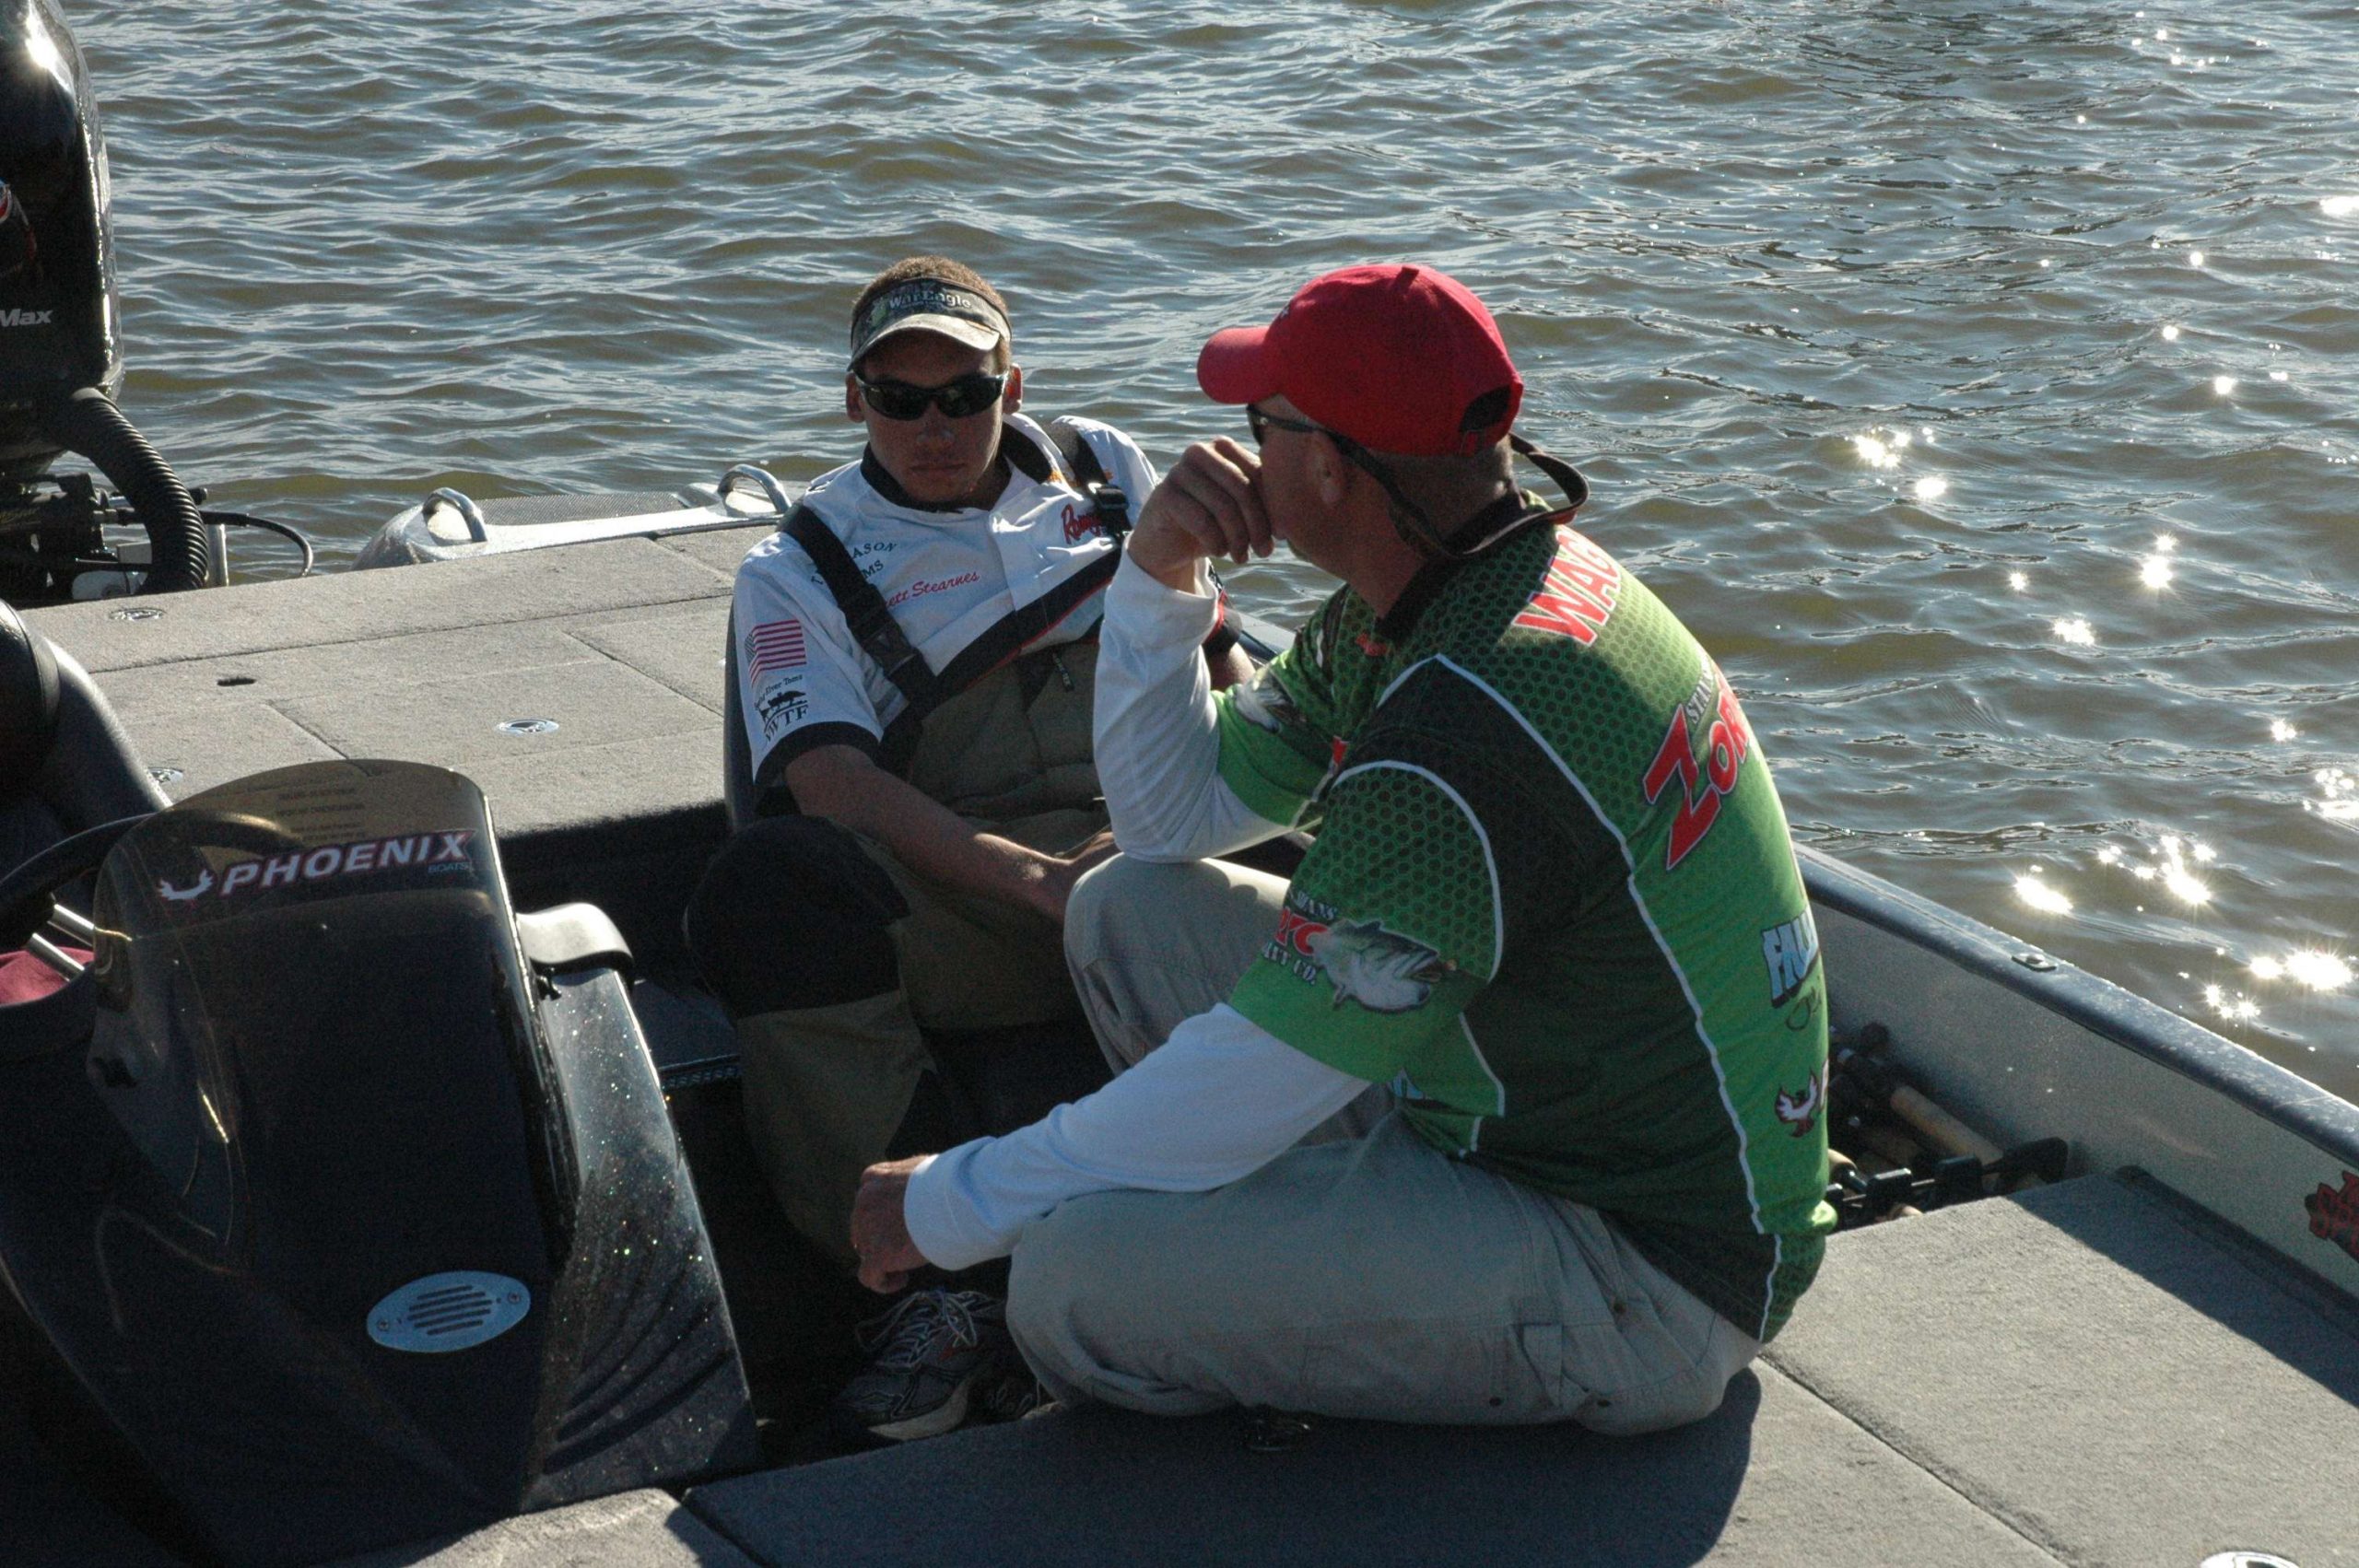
{"x":1366,"y":1275}
{"x":826,"y":1087}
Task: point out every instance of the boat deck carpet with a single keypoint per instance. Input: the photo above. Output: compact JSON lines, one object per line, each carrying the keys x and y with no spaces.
{"x":2079,"y":1376}
{"x":616,"y":646}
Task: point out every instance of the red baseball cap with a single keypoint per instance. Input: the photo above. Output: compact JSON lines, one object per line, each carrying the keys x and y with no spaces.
{"x":1401,"y":359}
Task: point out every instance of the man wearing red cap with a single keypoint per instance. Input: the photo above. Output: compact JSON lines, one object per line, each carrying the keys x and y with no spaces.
{"x":1505,"y":1109}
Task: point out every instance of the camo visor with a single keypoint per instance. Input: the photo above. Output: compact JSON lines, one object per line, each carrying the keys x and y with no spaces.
{"x":926,"y":304}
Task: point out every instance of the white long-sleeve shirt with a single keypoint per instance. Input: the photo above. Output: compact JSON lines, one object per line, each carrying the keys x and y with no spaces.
{"x":1222,"y":1096}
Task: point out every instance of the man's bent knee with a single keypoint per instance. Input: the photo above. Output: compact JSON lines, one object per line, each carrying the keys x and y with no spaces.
{"x":793,"y":914}
{"x":1104,"y":891}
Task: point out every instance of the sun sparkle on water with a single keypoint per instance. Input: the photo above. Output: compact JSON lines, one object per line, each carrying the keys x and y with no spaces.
{"x":1877,"y":451}
{"x":2034,"y":890}
{"x":2320,"y":971}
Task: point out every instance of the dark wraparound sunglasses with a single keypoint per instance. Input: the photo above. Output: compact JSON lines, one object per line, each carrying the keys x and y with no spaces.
{"x":1261,"y":420}
{"x":970,"y":393}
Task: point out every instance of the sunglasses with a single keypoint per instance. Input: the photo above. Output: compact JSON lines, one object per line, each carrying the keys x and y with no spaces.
{"x":1261,"y":421}
{"x":970,"y":393}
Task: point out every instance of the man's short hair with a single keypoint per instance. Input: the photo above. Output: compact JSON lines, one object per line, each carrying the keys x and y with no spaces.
{"x":960,"y":301}
{"x":1452,"y":488}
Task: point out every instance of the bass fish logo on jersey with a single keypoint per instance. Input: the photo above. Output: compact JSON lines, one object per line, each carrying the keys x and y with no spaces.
{"x":1381,"y":970}
{"x":1264,"y":701}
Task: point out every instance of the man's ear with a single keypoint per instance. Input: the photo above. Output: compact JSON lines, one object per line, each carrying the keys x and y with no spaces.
{"x":851,"y":398}
{"x":1331,"y":471}
{"x":1011,"y":397}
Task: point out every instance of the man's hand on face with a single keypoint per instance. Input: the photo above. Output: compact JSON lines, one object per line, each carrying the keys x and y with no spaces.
{"x":1206,"y":506}
{"x":880,"y":1236}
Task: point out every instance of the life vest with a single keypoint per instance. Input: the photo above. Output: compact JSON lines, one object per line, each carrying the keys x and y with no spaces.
{"x":993,"y":739}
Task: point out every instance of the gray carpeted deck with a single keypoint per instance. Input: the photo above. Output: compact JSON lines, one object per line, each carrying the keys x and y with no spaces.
{"x":619,"y":644}
{"x":2090,"y":1366}
{"x":2077,"y":1376}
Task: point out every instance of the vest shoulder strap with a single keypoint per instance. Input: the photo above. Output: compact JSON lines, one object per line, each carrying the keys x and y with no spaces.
{"x":865,"y":610}
{"x":1080,"y":459}
{"x":1107,"y":500}
{"x":880,"y":636}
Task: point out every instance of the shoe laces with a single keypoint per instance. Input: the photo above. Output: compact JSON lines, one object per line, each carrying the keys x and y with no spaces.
{"x":1016,"y":1395}
{"x":904,"y":1337}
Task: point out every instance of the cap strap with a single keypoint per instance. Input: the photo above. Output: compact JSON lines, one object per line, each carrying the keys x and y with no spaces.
{"x":1568,"y":478}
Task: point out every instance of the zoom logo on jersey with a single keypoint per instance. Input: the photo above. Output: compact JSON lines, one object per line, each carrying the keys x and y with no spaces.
{"x":1791,"y":951}
{"x":1705,"y":775}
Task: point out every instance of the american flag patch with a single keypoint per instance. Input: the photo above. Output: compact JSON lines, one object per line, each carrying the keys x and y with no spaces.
{"x":774,"y":645}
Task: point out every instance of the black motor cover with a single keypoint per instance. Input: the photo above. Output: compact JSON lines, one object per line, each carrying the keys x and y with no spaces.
{"x":359,"y":1229}
{"x":59,"y":314}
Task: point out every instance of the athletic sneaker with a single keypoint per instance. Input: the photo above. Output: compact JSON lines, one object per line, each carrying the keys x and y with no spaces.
{"x":1014,"y":1394}
{"x":927,"y":1357}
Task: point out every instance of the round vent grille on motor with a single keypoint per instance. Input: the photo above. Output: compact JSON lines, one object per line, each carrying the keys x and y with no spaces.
{"x":448,"y":1311}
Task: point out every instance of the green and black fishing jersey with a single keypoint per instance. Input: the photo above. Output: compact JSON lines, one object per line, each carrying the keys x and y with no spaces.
{"x":1553,"y":901}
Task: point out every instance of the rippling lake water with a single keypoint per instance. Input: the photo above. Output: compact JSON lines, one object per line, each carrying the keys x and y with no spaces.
{"x":1979,"y":379}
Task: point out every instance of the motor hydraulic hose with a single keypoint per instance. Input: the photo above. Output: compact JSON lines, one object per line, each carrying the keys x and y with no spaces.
{"x":179,"y":553}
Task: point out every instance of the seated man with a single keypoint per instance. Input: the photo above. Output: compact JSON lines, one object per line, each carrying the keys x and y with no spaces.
{"x":946,"y":800}
{"x":1505,"y":1108}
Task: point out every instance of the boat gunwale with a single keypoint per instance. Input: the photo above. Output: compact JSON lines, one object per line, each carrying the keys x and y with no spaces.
{"x":2092,"y":1003}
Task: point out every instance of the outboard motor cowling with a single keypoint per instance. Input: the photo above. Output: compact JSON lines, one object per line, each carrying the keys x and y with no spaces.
{"x":61,"y":351}
{"x":58,"y":306}
{"x":361,"y":1219}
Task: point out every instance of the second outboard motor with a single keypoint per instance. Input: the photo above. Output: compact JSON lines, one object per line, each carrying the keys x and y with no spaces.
{"x":61,"y":349}
{"x":360,"y":1219}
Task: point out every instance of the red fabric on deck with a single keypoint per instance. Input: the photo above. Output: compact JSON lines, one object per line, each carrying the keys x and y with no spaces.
{"x":24,"y":978}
